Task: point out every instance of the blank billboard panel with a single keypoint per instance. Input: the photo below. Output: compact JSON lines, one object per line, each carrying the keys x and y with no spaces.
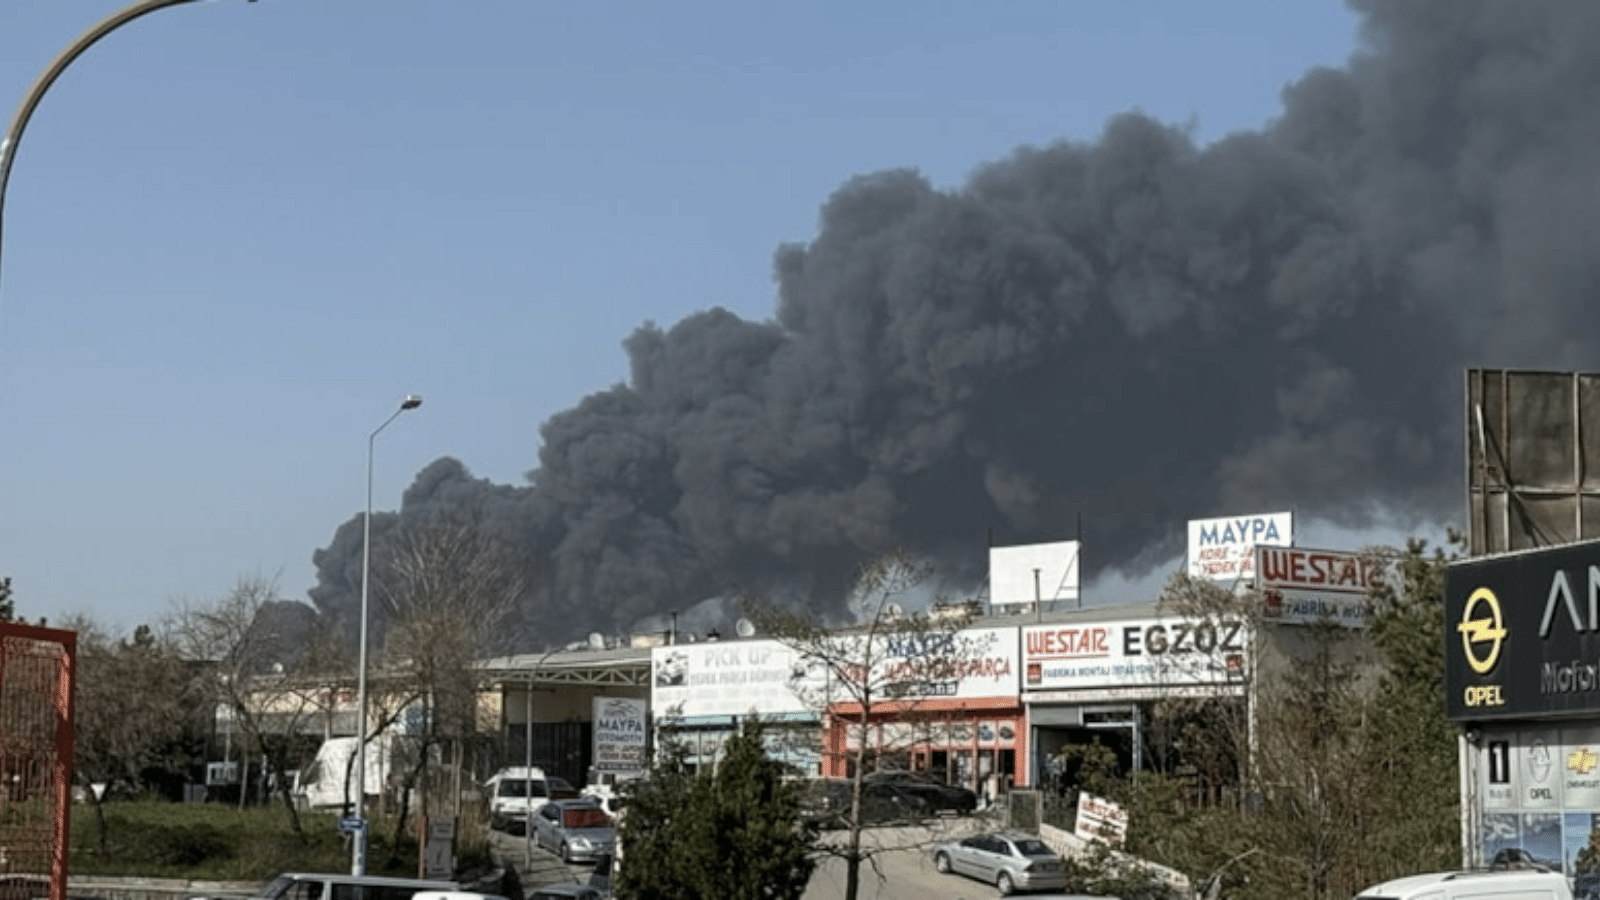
{"x":1533,"y":458}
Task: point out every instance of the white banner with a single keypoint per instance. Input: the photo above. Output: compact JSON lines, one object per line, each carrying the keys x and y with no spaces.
{"x":1100,"y":819}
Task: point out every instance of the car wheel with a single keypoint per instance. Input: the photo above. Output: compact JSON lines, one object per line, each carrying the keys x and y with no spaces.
{"x":566,"y":855}
{"x":1005,"y":884}
{"x":941,"y":861}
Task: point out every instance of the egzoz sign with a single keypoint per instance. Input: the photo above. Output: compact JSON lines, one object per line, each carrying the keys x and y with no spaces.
{"x":1522,"y":634}
{"x":1134,"y":653}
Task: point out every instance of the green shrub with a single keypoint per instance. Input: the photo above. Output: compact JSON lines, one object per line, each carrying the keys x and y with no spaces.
{"x":187,"y":846}
{"x":222,"y":842}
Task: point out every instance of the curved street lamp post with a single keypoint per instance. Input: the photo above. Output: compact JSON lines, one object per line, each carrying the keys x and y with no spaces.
{"x":358,"y":847}
{"x":30,"y":102}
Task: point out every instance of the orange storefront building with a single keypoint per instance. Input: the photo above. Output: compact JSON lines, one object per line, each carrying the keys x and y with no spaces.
{"x":951,"y":707}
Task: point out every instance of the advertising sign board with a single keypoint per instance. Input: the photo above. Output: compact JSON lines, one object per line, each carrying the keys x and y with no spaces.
{"x":1300,"y":586}
{"x":1033,"y":573}
{"x":1134,"y":653}
{"x":974,"y":662}
{"x":1222,"y":549}
{"x":1539,"y":792}
{"x":1100,"y":819}
{"x":619,"y":734}
{"x":1522,"y":634}
{"x":725,"y":678}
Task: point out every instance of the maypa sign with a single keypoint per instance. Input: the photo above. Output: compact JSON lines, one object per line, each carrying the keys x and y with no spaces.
{"x":976,"y":662}
{"x":1224,"y":549}
{"x":619,"y":734}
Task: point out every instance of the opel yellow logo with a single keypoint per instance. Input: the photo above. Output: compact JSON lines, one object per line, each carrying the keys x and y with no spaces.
{"x":1485,"y":633}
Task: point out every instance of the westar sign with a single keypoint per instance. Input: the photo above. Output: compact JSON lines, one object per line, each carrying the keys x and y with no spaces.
{"x":1522,"y":634}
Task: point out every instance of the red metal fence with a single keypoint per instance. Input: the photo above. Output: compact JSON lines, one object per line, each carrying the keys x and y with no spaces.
{"x":36,"y":684}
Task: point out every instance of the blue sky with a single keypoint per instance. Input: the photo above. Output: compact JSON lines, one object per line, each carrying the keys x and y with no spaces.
{"x":236,"y":234}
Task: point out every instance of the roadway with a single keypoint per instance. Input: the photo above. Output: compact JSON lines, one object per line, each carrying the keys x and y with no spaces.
{"x":901,"y":867}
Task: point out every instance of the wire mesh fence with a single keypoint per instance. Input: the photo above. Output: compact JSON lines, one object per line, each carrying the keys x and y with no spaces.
{"x":36,"y":684}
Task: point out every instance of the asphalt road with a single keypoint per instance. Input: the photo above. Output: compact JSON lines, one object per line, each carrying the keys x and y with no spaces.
{"x":901,"y":867}
{"x":538,"y":867}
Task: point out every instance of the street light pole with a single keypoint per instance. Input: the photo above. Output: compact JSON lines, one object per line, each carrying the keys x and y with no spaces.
{"x":358,"y":846}
{"x":13,"y":135}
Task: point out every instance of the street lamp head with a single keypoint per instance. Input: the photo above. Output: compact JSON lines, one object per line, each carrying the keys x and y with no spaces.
{"x":412,"y":401}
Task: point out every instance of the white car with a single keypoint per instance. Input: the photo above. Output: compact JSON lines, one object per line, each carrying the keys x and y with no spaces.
{"x":517,"y":792}
{"x":1010,"y":862}
{"x":1524,"y":884}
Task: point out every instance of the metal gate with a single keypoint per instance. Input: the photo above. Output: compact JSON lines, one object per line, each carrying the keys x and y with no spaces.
{"x":36,"y":684}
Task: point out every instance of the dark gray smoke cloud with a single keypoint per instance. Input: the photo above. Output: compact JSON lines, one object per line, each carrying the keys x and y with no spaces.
{"x":1136,"y":331}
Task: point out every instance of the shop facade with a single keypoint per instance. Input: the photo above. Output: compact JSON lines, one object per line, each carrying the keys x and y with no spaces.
{"x":949,"y":707}
{"x":701,"y":693}
{"x":1090,"y":676}
{"x":1522,"y":680}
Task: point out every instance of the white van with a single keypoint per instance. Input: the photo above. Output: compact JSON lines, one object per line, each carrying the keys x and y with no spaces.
{"x":1494,"y":884}
{"x":517,"y":792}
{"x":325,"y":886}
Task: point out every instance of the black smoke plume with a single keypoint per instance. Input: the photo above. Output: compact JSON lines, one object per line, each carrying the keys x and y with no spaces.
{"x":1131,"y":332}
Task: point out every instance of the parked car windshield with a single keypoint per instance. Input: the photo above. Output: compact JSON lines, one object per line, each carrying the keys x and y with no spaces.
{"x":1031,"y":847}
{"x":519,"y":787}
{"x":584,"y":818}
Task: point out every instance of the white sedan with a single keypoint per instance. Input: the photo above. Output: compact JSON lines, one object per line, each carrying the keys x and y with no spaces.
{"x":1010,"y":862}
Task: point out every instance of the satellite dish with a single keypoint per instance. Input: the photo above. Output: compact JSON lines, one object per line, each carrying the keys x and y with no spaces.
{"x":597,"y":641}
{"x":893,"y":611}
{"x":745,"y":628}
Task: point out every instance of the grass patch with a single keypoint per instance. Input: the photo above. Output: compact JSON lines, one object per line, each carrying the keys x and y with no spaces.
{"x":221,"y":842}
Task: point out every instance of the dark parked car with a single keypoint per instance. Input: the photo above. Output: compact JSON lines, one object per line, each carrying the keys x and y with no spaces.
{"x":940,"y":797}
{"x":825,"y":803}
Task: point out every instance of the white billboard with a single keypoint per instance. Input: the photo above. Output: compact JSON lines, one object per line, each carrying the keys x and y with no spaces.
{"x":1223,"y":549}
{"x":724,"y":678}
{"x":1300,"y":586}
{"x":619,"y":734}
{"x":1027,"y":573}
{"x":1152,"y":652}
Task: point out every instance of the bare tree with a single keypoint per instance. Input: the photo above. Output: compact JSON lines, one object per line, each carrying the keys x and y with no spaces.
{"x":272,"y":685}
{"x":872,"y":676}
{"x":449,"y":590}
{"x":133,"y":711}
{"x":1298,"y":741}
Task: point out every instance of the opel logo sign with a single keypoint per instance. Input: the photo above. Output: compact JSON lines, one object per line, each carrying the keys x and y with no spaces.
{"x":1482,"y":630}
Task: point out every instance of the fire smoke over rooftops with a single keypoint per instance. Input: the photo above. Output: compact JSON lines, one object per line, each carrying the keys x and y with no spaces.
{"x":1133,"y":330}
